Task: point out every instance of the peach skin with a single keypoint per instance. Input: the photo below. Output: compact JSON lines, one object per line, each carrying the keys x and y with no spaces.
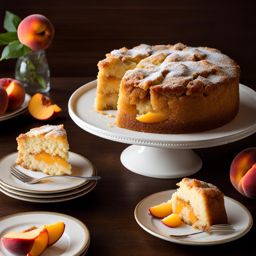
{"x":36,"y":32}
{"x":21,"y":243}
{"x":3,"y":101}
{"x":15,"y":91}
{"x":243,"y":172}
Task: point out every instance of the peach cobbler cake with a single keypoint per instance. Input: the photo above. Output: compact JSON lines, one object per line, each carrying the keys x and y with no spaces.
{"x":44,"y":149}
{"x":169,"y":88}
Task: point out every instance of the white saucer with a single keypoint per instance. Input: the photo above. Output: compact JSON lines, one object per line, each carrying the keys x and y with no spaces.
{"x":238,"y":216}
{"x":80,"y":166}
{"x":74,"y":241}
{"x":49,"y":199}
{"x":18,"y":111}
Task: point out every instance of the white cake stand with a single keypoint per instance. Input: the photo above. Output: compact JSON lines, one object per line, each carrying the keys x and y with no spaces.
{"x":160,"y":155}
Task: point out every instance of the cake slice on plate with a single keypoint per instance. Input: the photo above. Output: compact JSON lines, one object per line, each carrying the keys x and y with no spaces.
{"x":199,"y":204}
{"x":44,"y":149}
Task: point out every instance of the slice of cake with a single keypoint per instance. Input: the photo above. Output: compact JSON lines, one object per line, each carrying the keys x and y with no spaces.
{"x":44,"y":149}
{"x":199,"y":204}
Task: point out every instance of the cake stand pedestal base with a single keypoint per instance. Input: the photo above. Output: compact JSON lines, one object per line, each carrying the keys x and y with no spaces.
{"x":162,"y":163}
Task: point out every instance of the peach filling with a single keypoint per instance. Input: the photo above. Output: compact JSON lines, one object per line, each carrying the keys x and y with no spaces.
{"x":49,"y":159}
{"x":181,"y":204}
{"x":152,"y":117}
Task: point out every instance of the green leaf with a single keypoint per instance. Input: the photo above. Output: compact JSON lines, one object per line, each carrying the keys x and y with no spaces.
{"x":11,"y":21}
{"x":14,"y":50}
{"x":6,"y":38}
{"x":41,"y":81}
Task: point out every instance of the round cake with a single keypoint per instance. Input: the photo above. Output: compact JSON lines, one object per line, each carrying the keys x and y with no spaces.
{"x":176,"y":89}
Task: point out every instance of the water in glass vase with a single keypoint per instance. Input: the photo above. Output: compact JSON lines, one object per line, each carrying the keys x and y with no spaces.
{"x":33,"y":71}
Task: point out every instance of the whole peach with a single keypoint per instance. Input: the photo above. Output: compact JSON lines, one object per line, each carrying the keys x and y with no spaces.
{"x":36,"y":32}
{"x":243,"y":172}
{"x":3,"y":101}
{"x":15,"y":91}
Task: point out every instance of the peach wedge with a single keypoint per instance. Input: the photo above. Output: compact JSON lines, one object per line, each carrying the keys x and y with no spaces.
{"x":55,"y":232}
{"x":173,"y":220}
{"x":161,"y":210}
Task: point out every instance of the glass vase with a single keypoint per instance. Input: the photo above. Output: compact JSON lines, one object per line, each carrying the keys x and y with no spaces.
{"x":33,"y":71}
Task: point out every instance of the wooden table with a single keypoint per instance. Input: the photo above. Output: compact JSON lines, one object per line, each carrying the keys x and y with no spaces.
{"x":108,"y":210}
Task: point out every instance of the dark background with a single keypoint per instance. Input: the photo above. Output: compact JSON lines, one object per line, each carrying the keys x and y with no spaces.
{"x":86,"y":30}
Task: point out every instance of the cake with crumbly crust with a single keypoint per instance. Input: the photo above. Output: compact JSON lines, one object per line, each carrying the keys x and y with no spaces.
{"x":199,"y":204}
{"x":169,"y":88}
{"x":44,"y":149}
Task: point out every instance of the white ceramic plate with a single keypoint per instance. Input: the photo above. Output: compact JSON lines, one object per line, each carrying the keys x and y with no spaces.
{"x":74,"y":241}
{"x":80,"y":166}
{"x":50,"y":200}
{"x":51,"y":195}
{"x":238,"y":216}
{"x":81,"y":110}
{"x":18,"y":111}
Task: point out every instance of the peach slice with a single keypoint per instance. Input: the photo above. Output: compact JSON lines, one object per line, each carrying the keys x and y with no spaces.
{"x":40,"y":243}
{"x":55,"y":232}
{"x":152,"y":117}
{"x":161,"y":210}
{"x":21,"y":243}
{"x":42,"y":107}
{"x":173,"y":220}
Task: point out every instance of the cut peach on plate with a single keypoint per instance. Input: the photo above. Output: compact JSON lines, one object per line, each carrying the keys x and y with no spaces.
{"x":55,"y":232}
{"x":152,"y":117}
{"x":42,"y":107}
{"x":21,"y":243}
{"x":161,"y":210}
{"x":173,"y":220}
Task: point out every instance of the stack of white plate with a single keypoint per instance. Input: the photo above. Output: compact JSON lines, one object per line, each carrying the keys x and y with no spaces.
{"x":75,"y":240}
{"x":52,"y":190}
{"x":17,"y":112}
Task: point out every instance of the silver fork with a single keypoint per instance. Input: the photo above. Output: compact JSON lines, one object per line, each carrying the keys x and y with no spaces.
{"x":218,"y":228}
{"x":31,"y":180}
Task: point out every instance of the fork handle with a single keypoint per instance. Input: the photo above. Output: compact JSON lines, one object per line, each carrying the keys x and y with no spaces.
{"x":187,"y":235}
{"x":79,"y":177}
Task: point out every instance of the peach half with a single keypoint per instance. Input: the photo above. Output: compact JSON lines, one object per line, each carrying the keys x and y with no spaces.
{"x":3,"y":101}
{"x":36,"y":32}
{"x":22,"y":243}
{"x":15,"y":91}
{"x":243,"y":172}
{"x":42,"y":107}
{"x":161,"y":210}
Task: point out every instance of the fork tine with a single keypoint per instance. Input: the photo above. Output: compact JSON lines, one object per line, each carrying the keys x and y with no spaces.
{"x":22,"y":176}
{"x":17,"y":175}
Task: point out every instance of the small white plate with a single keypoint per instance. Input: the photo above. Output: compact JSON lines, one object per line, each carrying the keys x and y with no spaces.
{"x":80,"y":166}
{"x":74,"y":241}
{"x":51,"y":195}
{"x":18,"y":111}
{"x":238,"y":216}
{"x":50,"y":200}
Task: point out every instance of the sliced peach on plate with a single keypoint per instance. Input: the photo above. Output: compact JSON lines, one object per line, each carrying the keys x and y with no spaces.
{"x":152,"y":117}
{"x":40,"y":243}
{"x":42,"y":107}
{"x":161,"y":210}
{"x":55,"y":232}
{"x":173,"y":220}
{"x":21,"y":243}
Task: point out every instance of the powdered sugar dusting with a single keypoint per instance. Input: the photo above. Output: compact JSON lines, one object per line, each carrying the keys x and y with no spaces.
{"x":47,"y":130}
